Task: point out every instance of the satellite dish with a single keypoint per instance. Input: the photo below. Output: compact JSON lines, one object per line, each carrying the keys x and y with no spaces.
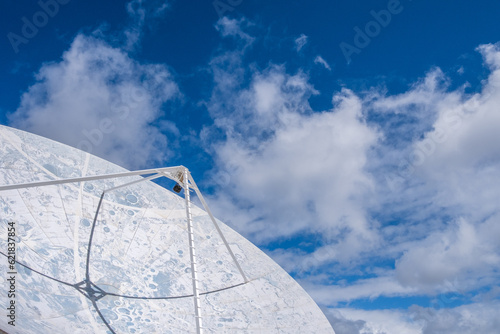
{"x":99,"y":249}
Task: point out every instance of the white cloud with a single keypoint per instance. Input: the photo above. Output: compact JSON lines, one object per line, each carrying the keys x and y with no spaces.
{"x":467,"y":319}
{"x":353,"y":321}
{"x":460,"y":154}
{"x":99,"y":99}
{"x":292,"y":170}
{"x":291,"y":163}
{"x":451,"y":178}
{"x":289,"y":168}
{"x":453,"y":255}
{"x":321,"y":61}
{"x":446,"y":205}
{"x":369,"y":288}
{"x":300,"y":42}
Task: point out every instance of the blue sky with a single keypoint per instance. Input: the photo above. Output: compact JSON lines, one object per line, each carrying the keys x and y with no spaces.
{"x":356,"y":142}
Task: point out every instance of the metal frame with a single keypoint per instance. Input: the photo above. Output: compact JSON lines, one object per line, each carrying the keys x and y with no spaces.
{"x":181,"y":175}
{"x":192,"y":255}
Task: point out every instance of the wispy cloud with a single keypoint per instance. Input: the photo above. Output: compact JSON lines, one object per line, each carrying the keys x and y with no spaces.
{"x":142,"y":13}
{"x":300,"y":42}
{"x":321,"y":61}
{"x":234,"y":28}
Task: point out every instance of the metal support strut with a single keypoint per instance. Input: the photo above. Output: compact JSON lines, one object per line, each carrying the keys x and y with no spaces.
{"x":192,"y":255}
{"x":179,"y":174}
